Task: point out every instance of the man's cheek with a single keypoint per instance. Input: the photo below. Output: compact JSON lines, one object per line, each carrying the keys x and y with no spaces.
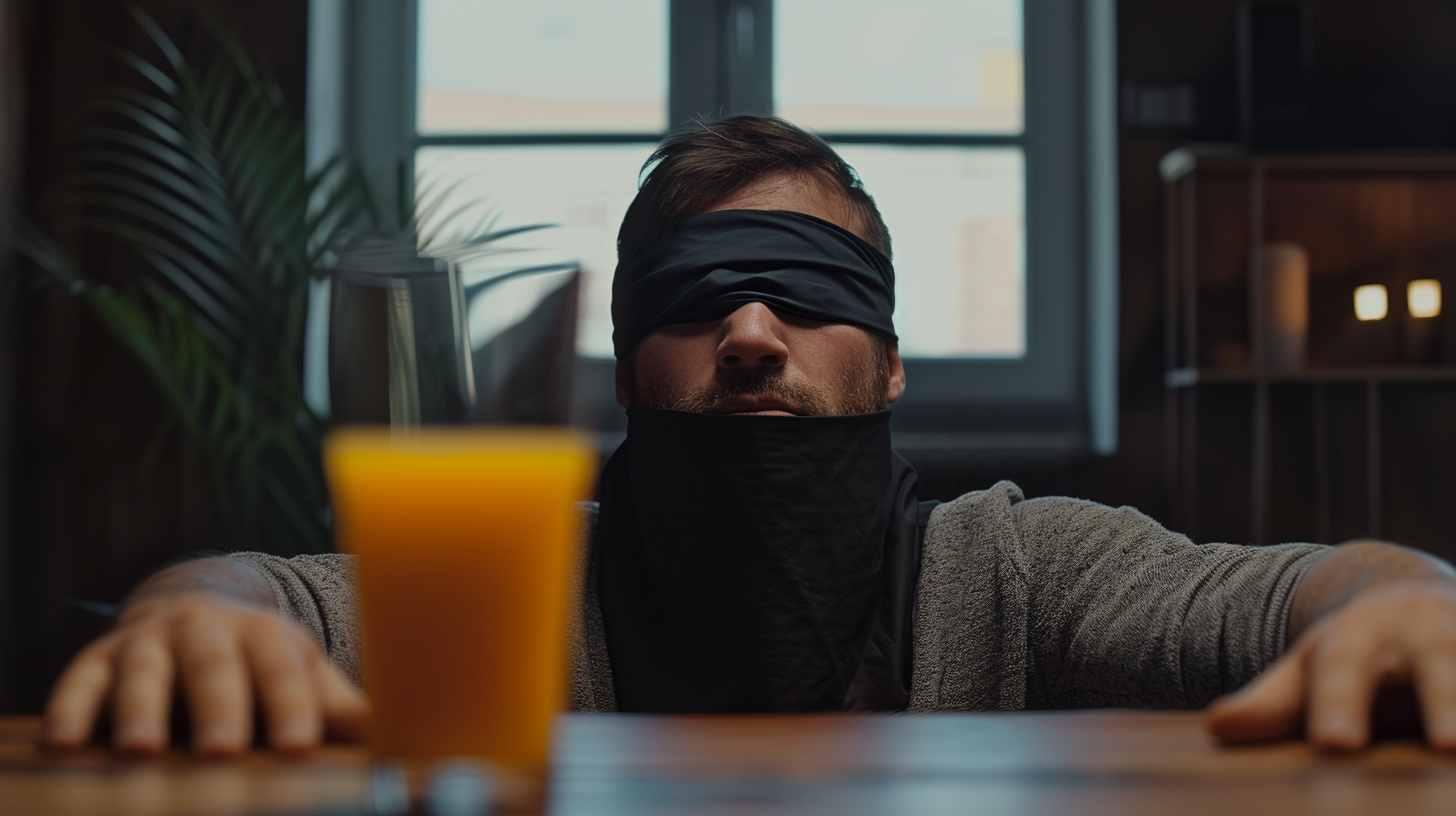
{"x":679,"y":370}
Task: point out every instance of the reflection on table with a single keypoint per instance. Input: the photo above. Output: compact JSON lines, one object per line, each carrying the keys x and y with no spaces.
{"x":1109,"y":762}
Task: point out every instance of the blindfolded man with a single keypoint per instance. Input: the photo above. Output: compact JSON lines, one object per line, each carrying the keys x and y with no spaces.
{"x":760,"y":547}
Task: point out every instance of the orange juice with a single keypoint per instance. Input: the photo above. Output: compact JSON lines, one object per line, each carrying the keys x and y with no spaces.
{"x":466,"y":544}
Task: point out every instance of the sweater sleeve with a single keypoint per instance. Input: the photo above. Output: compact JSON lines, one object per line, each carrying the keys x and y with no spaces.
{"x":318,"y":592}
{"x":1123,"y":612}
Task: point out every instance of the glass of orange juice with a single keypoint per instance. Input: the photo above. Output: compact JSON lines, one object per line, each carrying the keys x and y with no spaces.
{"x":466,"y":548}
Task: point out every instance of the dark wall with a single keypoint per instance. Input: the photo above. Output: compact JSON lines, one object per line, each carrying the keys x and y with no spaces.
{"x":13,"y":95}
{"x":1383,"y":77}
{"x":104,"y":491}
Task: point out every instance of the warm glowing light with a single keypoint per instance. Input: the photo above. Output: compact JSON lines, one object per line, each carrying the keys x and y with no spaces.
{"x":1423,"y":298}
{"x":1370,"y":302}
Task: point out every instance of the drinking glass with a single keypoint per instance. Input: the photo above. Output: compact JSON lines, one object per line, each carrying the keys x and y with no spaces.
{"x":466,"y":545}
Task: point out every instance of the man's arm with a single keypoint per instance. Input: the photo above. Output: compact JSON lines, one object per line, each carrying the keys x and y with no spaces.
{"x":1366,"y":615}
{"x":1125,"y":613}
{"x":211,"y":626}
{"x":225,"y":577}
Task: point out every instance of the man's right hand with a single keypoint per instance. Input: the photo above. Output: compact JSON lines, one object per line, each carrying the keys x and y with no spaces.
{"x":223,"y":655}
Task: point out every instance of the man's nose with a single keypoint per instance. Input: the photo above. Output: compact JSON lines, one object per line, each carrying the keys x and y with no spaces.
{"x":752,"y":339}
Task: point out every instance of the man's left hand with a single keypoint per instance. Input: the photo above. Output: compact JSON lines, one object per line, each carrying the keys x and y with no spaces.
{"x":1391,"y":632}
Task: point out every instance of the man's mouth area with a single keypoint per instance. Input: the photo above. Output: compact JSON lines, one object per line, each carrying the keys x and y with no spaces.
{"x":754,"y":406}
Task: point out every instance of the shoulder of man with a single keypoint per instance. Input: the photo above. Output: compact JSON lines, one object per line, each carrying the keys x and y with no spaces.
{"x":968,"y":640}
{"x":986,"y":556}
{"x":587,"y":513}
{"x":592,"y":686}
{"x":986,"y":518}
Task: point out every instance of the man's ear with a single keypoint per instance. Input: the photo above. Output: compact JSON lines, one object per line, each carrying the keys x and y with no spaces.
{"x":895,"y":385}
{"x":624,"y":381}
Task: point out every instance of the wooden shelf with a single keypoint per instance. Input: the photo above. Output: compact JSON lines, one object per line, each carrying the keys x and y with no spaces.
{"x":1188,"y":377}
{"x":1183,"y":161}
{"x":1356,"y":214}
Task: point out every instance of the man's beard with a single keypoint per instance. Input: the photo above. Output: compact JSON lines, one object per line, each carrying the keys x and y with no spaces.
{"x":860,"y":390}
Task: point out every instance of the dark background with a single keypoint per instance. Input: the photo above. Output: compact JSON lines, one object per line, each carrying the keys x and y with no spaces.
{"x":80,"y":521}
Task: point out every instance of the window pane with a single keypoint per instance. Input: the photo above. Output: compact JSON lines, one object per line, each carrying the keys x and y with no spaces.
{"x":585,"y":190}
{"x":542,"y":66}
{"x":955,"y":215}
{"x":955,"y":220}
{"x":910,"y":66}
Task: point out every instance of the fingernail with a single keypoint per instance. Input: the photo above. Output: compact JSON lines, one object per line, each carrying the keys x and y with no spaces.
{"x":1443,"y":729}
{"x":1340,"y":727}
{"x":219,"y":735}
{"x":293,"y":732}
{"x":135,"y":733}
{"x":60,"y":733}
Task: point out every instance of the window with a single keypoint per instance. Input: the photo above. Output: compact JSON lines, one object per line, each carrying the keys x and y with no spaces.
{"x":924,"y":100}
{"x":545,"y":118}
{"x":978,"y":127}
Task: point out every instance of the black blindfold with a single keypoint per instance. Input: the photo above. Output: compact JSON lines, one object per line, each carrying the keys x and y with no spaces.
{"x":705,"y":267}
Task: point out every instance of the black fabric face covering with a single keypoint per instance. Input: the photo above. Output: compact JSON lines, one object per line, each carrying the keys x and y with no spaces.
{"x":758,"y":563}
{"x":707,"y":266}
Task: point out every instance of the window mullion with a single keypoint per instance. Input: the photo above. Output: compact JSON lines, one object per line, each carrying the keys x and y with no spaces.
{"x":720,"y":59}
{"x":745,"y":50}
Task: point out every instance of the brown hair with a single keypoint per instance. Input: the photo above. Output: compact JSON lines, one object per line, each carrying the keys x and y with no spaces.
{"x":700,"y":165}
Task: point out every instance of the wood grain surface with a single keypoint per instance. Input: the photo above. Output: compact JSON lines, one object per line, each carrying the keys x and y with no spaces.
{"x":1107,"y":762}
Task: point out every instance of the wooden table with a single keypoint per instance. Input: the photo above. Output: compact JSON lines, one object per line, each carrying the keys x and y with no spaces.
{"x":1084,"y":763}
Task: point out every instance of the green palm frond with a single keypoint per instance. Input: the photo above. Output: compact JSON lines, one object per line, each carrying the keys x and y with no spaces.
{"x":202,"y":173}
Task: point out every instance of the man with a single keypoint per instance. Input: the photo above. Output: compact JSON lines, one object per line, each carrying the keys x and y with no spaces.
{"x":759,"y":546}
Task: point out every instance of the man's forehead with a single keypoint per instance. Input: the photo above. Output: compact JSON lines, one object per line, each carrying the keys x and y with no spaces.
{"x":795,"y":193}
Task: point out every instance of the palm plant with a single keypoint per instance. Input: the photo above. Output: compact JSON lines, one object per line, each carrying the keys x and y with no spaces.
{"x":203,"y":174}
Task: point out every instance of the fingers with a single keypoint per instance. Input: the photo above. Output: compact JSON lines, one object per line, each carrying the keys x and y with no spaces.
{"x":1435,"y":677}
{"x":1329,"y":684}
{"x":216,"y":684}
{"x":73,"y":706}
{"x":141,"y":702}
{"x":286,"y":688}
{"x":1271,"y":707}
{"x":1346,"y":669}
{"x":224,"y":656}
{"x":346,"y":710}
{"x":304,"y":697}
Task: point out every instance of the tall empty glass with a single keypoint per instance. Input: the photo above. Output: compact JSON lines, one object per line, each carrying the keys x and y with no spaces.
{"x":447,"y":336}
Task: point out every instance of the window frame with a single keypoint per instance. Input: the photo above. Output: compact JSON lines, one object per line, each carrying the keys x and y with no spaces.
{"x":1060,"y":396}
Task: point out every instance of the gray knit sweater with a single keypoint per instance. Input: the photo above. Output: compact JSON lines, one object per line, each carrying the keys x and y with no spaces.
{"x":1047,"y":603}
